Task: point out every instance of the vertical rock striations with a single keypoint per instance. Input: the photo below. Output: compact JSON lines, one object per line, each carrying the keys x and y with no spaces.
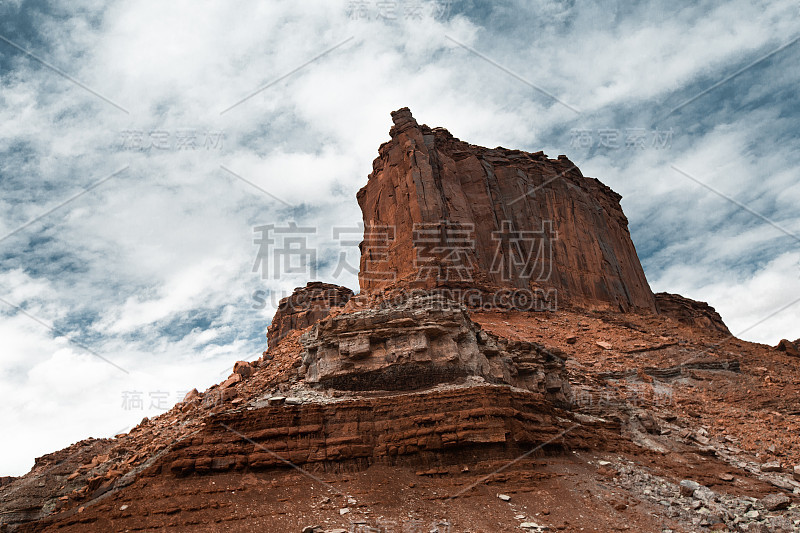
{"x":439,"y":211}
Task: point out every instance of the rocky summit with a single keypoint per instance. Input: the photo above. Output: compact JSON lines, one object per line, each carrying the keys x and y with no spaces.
{"x":505,"y":367}
{"x":438,"y":210}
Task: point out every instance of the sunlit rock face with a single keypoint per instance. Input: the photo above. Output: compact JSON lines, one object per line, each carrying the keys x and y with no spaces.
{"x":439,"y":211}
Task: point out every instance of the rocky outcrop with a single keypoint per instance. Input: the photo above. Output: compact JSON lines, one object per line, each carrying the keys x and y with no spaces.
{"x":304,"y":307}
{"x":692,"y":312}
{"x":419,"y":429}
{"x":439,"y":211}
{"x":422,"y":342}
{"x":443,"y":370}
{"x":791,"y":348}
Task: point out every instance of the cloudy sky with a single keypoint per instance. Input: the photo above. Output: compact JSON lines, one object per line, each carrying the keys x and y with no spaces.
{"x":141,"y":144}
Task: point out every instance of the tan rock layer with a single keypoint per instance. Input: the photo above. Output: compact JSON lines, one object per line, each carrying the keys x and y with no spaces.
{"x":421,"y":342}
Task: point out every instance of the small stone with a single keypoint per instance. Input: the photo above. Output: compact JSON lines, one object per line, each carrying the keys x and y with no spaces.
{"x":293,"y":401}
{"x":123,"y":507}
{"x":504,"y":497}
{"x":725,"y":476}
{"x":606,"y":471}
{"x":619,"y":506}
{"x":604,"y":463}
{"x":604,"y":345}
{"x":772,"y":466}
{"x":796,"y":473}
{"x":572,"y":340}
{"x":752,"y":515}
{"x":276,"y":400}
{"x":775,"y":502}
{"x":545,"y":512}
{"x":344,"y":511}
{"x":688,"y":487}
{"x":529,"y":525}
{"x":311,"y":529}
{"x":703,"y":494}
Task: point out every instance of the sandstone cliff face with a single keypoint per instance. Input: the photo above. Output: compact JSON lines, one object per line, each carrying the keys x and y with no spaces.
{"x":439,"y":211}
{"x":304,"y":307}
{"x":692,"y":312}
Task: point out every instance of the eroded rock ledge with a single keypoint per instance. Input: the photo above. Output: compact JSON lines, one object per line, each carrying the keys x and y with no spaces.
{"x":422,"y":429}
{"x":424,"y":341}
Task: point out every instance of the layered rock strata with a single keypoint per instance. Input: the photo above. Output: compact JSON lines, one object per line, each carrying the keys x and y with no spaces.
{"x":304,"y":307}
{"x":425,"y":341}
{"x":420,"y":429}
{"x":439,"y":211}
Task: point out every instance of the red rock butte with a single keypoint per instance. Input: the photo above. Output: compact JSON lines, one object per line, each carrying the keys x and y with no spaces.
{"x":438,"y":210}
{"x":409,"y":410}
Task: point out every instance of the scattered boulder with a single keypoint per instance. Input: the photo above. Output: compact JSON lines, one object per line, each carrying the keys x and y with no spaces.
{"x":789,"y":347}
{"x":191,"y":395}
{"x":244,"y":369}
{"x":231,"y":381}
{"x":775,"y":502}
{"x":772,"y":466}
{"x":688,"y":487}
